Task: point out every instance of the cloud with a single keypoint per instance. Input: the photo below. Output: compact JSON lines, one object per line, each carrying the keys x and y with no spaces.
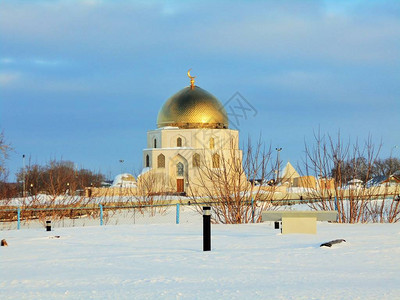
{"x":308,"y":31}
{"x":304,"y":47}
{"x":45,"y":62}
{"x":31,"y":62}
{"x":32,"y":83}
{"x":8,"y":78}
{"x":6,"y":60}
{"x":119,"y":60}
{"x":299,"y":80}
{"x":324,"y":38}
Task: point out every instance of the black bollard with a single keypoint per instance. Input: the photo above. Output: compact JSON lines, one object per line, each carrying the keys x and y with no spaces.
{"x":48,"y":225}
{"x":277,"y":225}
{"x":206,"y":228}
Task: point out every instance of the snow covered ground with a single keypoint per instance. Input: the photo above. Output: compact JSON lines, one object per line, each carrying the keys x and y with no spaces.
{"x":166,"y":261}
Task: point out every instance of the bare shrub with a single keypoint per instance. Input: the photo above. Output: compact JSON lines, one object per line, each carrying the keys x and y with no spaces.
{"x":151,"y":193}
{"x":57,"y":178}
{"x":231,"y":186}
{"x":343,"y":170}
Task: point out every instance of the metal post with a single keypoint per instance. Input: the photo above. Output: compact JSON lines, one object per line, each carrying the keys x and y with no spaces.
{"x":336,"y":208}
{"x":19,"y":218}
{"x":279,"y":149}
{"x":121,"y":162}
{"x":252,"y":210}
{"x":48,"y":225}
{"x":23,"y":176}
{"x":177,"y":213}
{"x":101,"y":214}
{"x":206,"y":228}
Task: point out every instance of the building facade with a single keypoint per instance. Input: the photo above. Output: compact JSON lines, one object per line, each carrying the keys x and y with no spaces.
{"x":192,"y":137}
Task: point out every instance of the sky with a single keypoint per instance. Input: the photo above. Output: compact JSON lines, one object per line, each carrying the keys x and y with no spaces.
{"x":84,"y":80}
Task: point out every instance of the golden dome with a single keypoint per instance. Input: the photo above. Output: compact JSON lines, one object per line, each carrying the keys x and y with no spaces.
{"x":193,"y":107}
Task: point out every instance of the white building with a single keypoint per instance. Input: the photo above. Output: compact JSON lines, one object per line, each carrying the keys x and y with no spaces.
{"x":192,"y":134}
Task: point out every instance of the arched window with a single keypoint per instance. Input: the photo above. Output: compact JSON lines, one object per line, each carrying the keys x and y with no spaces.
{"x":215,"y":160}
{"x":179,"y":169}
{"x":161,"y":161}
{"x":147,"y":161}
{"x":196,"y":160}
{"x":155,"y":143}
{"x":211,"y":143}
{"x":179,"y":142}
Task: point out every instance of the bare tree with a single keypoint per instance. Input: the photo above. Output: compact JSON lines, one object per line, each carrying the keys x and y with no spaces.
{"x":230,"y":183}
{"x":5,"y":149}
{"x":151,"y":193}
{"x":58,"y":178}
{"x":343,"y":169}
{"x":7,"y":190}
{"x":386,"y":167}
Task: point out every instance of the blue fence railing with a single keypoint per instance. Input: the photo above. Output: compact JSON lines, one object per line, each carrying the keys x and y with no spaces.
{"x":31,"y":213}
{"x":100,"y":207}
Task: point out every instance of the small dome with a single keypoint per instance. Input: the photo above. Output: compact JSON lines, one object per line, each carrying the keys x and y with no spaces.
{"x":124,"y":180}
{"x":193,"y":107}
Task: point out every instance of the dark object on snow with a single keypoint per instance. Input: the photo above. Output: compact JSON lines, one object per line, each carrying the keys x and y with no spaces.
{"x":330,"y":243}
{"x":206,"y":228}
{"x":54,"y":237}
{"x":4,"y":243}
{"x":48,"y":225}
{"x":277,"y":225}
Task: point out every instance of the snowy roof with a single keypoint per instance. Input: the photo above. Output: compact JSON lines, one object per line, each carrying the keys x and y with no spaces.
{"x":124,"y":180}
{"x":289,"y":172}
{"x":376,"y":181}
{"x":171,"y":148}
{"x":355,"y":181}
{"x":144,"y":171}
{"x":167,"y":127}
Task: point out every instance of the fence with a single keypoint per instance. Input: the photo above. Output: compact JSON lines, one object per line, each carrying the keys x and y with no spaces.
{"x":171,"y":213}
{"x":36,"y":217}
{"x":29,"y":217}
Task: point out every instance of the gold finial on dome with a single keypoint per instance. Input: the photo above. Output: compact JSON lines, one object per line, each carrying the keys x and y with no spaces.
{"x":191,"y":79}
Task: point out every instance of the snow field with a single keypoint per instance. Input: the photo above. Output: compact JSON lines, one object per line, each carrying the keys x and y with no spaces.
{"x":166,"y":261}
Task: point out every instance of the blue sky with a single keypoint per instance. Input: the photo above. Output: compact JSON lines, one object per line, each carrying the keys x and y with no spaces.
{"x":84,"y":80}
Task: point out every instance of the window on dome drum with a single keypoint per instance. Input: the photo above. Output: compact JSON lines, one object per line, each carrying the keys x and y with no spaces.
{"x":155,"y":143}
{"x":179,"y":169}
{"x":147,"y":161}
{"x":179,"y":142}
{"x":212,"y":143}
{"x":196,"y":160}
{"x":215,"y":160}
{"x":161,"y":161}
